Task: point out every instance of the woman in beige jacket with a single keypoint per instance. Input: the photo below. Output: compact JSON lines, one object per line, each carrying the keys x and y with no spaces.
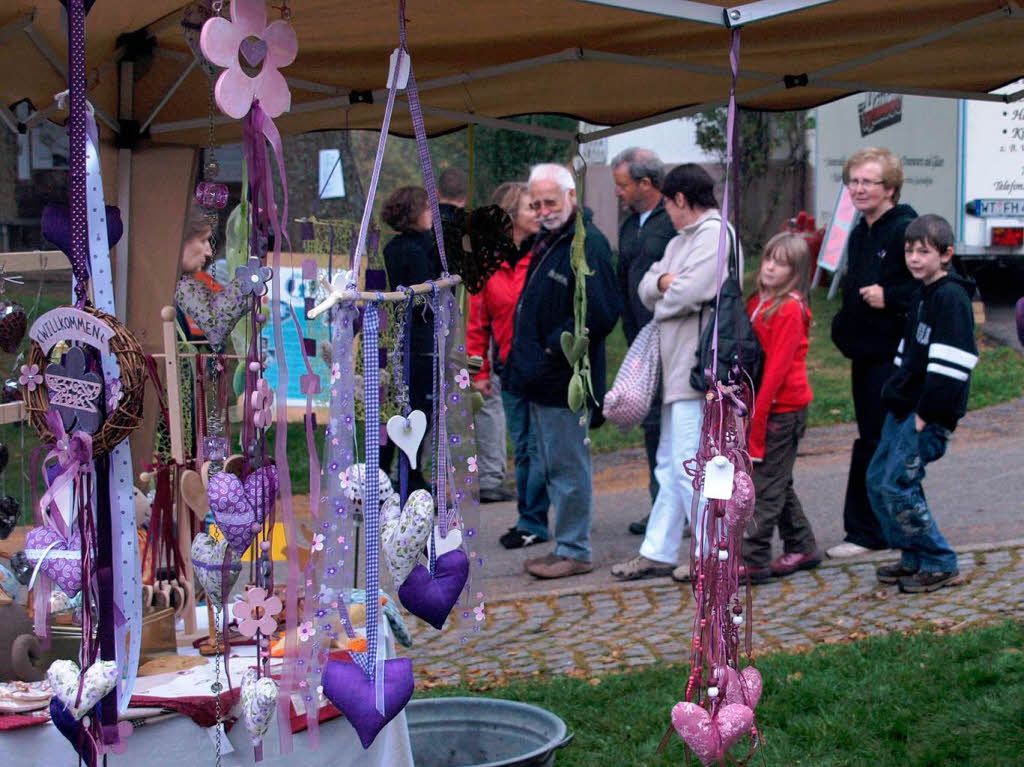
{"x":678,"y":289}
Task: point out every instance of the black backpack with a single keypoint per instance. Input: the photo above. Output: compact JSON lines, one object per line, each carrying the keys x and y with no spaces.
{"x":739,"y":350}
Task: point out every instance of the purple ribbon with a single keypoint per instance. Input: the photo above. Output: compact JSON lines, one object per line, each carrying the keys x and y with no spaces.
{"x":723,"y":232}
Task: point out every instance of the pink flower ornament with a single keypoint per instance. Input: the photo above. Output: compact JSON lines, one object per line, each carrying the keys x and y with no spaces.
{"x":30,"y":377}
{"x":256,"y":613}
{"x":462,"y":379}
{"x":249,"y":36}
{"x":471,"y":463}
{"x":262,"y":405}
{"x":306,"y":631}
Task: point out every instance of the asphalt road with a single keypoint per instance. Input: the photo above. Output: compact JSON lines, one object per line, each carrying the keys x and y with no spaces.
{"x":975,"y":491}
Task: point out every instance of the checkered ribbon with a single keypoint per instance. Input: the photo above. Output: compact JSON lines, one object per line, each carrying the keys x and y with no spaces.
{"x":371,"y":493}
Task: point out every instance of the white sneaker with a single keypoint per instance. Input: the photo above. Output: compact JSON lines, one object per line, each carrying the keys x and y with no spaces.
{"x":846,"y":549}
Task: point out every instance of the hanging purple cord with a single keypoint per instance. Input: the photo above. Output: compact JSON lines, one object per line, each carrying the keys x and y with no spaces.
{"x":406,"y":373}
{"x":723,"y":232}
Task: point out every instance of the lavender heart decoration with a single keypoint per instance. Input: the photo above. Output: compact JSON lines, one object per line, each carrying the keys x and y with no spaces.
{"x":56,"y":226}
{"x":237,"y":506}
{"x":433,"y":597}
{"x":74,"y":731}
{"x":62,"y":563}
{"x":354,"y":694}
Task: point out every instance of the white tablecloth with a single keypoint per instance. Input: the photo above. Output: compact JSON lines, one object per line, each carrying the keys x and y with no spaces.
{"x":179,"y":742}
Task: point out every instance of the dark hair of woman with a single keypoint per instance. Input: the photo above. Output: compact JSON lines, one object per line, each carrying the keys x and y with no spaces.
{"x":403,"y":208}
{"x":693,"y":182}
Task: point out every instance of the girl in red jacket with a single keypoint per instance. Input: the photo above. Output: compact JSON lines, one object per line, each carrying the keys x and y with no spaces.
{"x":781,"y":318}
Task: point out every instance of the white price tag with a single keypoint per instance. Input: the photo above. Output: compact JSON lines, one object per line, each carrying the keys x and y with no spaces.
{"x":718,"y":478}
{"x":403,"y":72}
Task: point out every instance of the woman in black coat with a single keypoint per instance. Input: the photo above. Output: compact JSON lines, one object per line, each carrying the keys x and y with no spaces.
{"x":410,"y":258}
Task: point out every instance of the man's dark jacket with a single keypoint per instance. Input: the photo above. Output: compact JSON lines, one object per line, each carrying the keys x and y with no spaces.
{"x":639,"y":247}
{"x":537,"y":369}
{"x":875,"y":256}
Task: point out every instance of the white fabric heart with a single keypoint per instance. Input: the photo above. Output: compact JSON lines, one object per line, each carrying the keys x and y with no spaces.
{"x":449,"y":543}
{"x":403,"y":535}
{"x":99,"y":679}
{"x":259,"y":699}
{"x":407,"y":433}
{"x":207,"y":563}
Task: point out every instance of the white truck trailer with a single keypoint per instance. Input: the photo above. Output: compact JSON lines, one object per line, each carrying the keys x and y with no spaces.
{"x":961,"y":159}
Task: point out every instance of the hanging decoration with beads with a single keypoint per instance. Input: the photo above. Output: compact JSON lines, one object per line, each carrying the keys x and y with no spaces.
{"x":717,"y":712}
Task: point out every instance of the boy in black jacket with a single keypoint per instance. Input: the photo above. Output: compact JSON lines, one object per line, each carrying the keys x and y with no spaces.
{"x":924,"y":398}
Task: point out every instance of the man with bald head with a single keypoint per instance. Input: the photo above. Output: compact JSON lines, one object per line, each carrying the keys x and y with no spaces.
{"x":539,"y":372}
{"x":644,"y":233}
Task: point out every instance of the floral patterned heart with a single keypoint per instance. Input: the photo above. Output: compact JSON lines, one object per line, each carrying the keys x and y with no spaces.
{"x":67,"y":680}
{"x":403,"y":535}
{"x":208,"y":556}
{"x":60,"y":557}
{"x":259,"y":699}
{"x":237,"y":505}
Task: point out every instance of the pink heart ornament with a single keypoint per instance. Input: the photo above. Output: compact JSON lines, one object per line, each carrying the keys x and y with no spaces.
{"x":709,"y":738}
{"x":740,"y":508}
{"x":743,"y":687}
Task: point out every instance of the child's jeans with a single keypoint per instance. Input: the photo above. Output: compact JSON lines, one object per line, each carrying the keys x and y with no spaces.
{"x":777,"y":504}
{"x":894,"y":487}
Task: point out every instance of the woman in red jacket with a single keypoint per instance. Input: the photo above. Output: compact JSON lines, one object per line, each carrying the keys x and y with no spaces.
{"x":781,"y":318}
{"x":491,"y":315}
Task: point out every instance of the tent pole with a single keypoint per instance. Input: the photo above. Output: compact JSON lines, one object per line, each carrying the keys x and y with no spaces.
{"x":167,"y":96}
{"x":7,"y":118}
{"x":18,"y":25}
{"x":125,"y":111}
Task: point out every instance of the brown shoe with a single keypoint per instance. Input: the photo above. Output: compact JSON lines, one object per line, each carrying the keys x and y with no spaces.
{"x":561,"y":567}
{"x":641,"y":567}
{"x":547,"y":559}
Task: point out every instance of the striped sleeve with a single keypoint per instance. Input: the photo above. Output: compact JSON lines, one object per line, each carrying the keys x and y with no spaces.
{"x":951,"y":361}
{"x":952,"y":355}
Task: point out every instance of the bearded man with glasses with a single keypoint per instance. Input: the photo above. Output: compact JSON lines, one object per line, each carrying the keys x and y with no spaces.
{"x":877,"y":290}
{"x":539,"y":372}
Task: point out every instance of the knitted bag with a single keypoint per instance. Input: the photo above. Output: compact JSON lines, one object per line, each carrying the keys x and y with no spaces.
{"x":629,"y":400}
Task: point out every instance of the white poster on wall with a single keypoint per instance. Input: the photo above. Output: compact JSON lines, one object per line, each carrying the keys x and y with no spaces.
{"x":331,"y":180}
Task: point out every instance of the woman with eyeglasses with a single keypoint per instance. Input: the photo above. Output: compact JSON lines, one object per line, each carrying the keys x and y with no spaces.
{"x":867,"y":329}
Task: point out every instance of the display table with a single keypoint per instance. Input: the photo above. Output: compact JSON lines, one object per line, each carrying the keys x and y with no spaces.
{"x":176,"y":741}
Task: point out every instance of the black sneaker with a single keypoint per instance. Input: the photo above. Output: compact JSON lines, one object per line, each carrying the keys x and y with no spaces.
{"x":892,"y":573}
{"x":639,"y":527}
{"x":923,"y":581}
{"x":496,"y":495}
{"x":518,"y":539}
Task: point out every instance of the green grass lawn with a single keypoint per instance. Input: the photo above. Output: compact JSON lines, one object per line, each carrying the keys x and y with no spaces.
{"x":923,"y":699}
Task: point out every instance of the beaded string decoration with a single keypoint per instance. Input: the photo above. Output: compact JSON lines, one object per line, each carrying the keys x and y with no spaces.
{"x":718,"y":707}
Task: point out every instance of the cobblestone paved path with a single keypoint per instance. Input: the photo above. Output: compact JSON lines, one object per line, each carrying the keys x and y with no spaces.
{"x":594,"y":631}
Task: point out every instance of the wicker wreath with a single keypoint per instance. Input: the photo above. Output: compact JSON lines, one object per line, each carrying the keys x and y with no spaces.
{"x":126,"y":417}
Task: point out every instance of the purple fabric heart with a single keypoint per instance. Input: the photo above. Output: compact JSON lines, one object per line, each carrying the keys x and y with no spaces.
{"x":73,"y":730}
{"x":432,"y":598}
{"x":63,"y":563}
{"x":353,"y":693}
{"x":237,"y":506}
{"x":56,"y":226}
